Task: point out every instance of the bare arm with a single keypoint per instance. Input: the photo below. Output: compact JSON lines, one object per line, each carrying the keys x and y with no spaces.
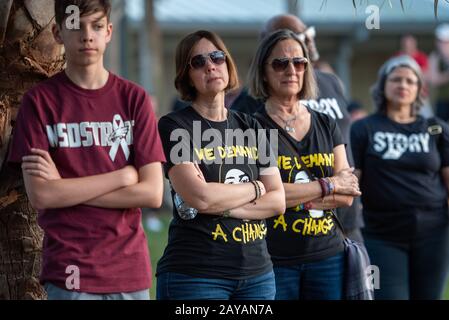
{"x":147,"y":193}
{"x":270,"y":205}
{"x":346,"y":186}
{"x":208,"y":197}
{"x":344,"y":192}
{"x":63,"y":193}
{"x":47,"y":190}
{"x":297,"y":193}
{"x":332,"y":202}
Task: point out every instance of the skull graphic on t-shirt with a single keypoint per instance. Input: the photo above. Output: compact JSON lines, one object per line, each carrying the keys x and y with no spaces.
{"x":236,"y":176}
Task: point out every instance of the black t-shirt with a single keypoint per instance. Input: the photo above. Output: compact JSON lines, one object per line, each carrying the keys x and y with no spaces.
{"x":403,"y":192}
{"x":211,"y":246}
{"x":332,"y":102}
{"x":301,"y":236}
{"x":245,"y":103}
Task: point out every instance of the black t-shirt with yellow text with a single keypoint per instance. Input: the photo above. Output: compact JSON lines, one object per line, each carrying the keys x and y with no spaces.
{"x":302,"y":236}
{"x":332,"y":102}
{"x":211,"y":246}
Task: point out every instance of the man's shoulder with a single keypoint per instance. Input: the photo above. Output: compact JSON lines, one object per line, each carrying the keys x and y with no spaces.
{"x":321,"y":117}
{"x":325,"y":76}
{"x":327,"y":80}
{"x":246,"y":103}
{"x":241,"y":115}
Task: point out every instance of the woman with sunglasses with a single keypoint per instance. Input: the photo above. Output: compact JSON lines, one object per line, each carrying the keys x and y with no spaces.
{"x":305,"y":244}
{"x":223,"y":185}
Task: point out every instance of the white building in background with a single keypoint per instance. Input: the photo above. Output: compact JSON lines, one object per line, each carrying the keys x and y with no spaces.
{"x":343,"y":37}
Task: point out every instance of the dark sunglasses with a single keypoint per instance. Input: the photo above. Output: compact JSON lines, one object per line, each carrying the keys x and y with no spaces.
{"x":199,"y":61}
{"x":280,"y":64}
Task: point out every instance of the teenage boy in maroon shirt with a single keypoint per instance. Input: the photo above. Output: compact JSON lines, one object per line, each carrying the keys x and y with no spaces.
{"x":91,"y":155}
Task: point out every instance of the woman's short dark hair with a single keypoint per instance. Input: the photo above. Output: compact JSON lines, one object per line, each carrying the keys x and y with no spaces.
{"x":378,"y":90}
{"x":86,"y":7}
{"x":184,"y":51}
{"x":258,"y":87}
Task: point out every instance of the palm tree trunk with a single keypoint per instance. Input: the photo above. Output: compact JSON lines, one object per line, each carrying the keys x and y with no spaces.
{"x":28,"y":54}
{"x":156,"y":51}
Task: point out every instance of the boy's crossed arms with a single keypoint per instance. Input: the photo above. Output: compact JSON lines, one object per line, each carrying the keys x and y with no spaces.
{"x":124,"y":188}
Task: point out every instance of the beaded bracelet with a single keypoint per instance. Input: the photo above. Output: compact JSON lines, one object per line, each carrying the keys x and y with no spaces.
{"x":331,"y":185}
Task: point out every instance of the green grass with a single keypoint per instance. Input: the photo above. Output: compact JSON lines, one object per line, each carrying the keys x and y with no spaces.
{"x":446,"y":292}
{"x":158,"y":240}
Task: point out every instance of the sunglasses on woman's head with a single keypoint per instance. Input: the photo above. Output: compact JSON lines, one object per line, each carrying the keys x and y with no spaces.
{"x":199,"y":61}
{"x":281,"y":64}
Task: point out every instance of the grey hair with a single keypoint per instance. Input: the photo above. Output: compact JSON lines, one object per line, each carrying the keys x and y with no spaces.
{"x":378,"y":90}
{"x":258,"y":87}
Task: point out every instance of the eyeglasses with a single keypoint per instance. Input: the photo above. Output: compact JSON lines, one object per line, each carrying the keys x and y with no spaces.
{"x":281,"y":64}
{"x":199,"y":61}
{"x":398,"y":80}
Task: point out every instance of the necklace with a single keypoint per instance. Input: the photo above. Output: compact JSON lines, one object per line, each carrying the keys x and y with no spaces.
{"x":288,"y":127}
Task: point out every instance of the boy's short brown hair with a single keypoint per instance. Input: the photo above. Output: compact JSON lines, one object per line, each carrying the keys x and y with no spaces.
{"x":86,"y":7}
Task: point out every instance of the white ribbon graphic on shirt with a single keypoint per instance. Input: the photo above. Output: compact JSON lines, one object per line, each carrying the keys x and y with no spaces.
{"x":118,"y":137}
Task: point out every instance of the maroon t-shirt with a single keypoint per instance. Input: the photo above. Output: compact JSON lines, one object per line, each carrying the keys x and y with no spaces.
{"x":90,"y":132}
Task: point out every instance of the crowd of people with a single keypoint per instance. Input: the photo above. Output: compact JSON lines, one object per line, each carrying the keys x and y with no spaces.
{"x":258,"y":188}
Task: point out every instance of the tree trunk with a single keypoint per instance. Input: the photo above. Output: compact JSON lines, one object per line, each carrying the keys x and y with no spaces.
{"x":28,"y":54}
{"x":156,"y":51}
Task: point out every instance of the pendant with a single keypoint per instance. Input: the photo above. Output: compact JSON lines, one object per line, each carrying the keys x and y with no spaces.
{"x":290,"y":129}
